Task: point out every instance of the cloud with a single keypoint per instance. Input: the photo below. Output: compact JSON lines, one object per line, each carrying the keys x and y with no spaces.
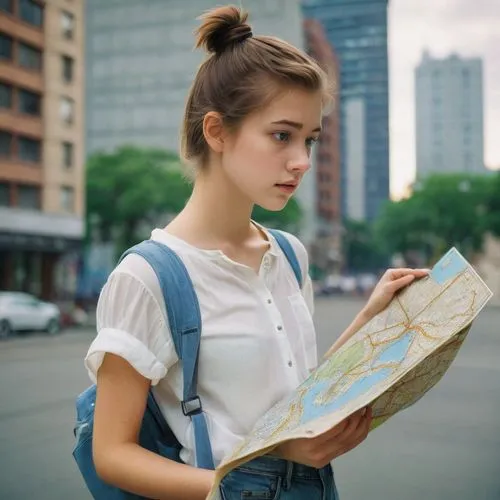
{"x":468,"y":28}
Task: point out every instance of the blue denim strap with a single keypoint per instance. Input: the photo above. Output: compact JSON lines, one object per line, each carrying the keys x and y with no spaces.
{"x":184,"y":319}
{"x":289,"y":252}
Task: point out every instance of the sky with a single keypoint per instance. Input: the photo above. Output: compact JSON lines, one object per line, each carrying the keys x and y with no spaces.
{"x":466,"y":27}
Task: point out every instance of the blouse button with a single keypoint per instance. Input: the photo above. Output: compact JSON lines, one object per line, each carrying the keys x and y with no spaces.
{"x":290,"y":364}
{"x":266,"y":264}
{"x":279,"y":328}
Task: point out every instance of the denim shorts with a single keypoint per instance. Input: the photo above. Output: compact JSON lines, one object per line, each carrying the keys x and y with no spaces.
{"x":270,"y":478}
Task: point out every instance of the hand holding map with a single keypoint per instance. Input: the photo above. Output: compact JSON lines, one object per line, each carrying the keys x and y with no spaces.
{"x":389,"y":364}
{"x":321,"y":450}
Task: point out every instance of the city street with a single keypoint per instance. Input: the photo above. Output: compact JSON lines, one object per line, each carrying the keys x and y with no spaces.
{"x":446,"y":447}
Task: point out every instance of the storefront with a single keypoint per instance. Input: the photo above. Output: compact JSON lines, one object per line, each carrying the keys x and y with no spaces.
{"x":42,"y":265}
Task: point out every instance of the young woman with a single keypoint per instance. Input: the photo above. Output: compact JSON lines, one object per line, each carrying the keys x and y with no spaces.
{"x":252,"y":116}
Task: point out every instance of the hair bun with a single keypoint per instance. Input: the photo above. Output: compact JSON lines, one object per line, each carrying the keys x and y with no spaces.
{"x":222,"y":28}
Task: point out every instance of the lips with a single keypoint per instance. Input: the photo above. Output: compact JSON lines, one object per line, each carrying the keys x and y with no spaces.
{"x":291,"y":184}
{"x":287,"y":188}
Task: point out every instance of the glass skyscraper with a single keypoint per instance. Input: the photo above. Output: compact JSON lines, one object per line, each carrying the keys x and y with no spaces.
{"x":357,"y":30}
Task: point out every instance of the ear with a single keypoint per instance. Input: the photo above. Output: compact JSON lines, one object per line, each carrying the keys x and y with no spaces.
{"x":213,"y":131}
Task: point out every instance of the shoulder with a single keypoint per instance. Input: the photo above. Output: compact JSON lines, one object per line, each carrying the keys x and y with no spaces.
{"x":299,"y":249}
{"x":134,"y":267}
{"x":133,"y":284}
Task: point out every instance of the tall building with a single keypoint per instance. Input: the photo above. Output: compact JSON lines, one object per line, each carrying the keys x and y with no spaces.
{"x":358,"y":32}
{"x":449,"y":115}
{"x":327,"y":155}
{"x":41,"y":145}
{"x":141,"y":63}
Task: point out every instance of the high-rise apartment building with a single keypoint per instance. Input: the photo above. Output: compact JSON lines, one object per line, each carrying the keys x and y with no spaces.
{"x":449,"y":115}
{"x":358,"y":32}
{"x":41,"y":145}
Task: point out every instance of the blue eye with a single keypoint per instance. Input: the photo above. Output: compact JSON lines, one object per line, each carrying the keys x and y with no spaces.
{"x":282,"y":136}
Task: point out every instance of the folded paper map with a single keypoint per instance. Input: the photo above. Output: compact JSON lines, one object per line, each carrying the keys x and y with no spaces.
{"x":389,"y":364}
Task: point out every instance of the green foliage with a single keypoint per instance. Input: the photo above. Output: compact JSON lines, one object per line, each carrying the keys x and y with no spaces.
{"x":445,"y":210}
{"x":492,"y":206}
{"x":132,"y":186}
{"x":361,"y":249}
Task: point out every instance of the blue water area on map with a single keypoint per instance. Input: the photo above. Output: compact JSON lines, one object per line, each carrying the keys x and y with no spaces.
{"x":312,"y":411}
{"x":396,"y":351}
{"x":450,"y":266}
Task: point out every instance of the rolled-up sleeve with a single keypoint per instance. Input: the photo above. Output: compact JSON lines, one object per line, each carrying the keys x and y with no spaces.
{"x":130,"y":324}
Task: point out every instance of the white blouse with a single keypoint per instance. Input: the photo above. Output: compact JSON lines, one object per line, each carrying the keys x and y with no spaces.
{"x":258,"y":340}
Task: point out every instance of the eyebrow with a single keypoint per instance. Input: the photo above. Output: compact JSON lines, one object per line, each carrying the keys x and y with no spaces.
{"x":293,"y":124}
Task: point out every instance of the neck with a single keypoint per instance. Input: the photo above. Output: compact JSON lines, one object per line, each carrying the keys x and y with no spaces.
{"x":216,"y":212}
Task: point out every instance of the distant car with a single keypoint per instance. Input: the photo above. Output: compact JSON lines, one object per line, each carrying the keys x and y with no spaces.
{"x":24,"y":312}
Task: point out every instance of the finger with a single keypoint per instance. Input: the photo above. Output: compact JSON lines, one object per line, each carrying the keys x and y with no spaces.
{"x":397,"y":284}
{"x":403,"y":271}
{"x":334,"y":432}
{"x":421,"y":272}
{"x":354,"y":434}
{"x":367,"y":420}
{"x":344,"y":436}
{"x":359,"y":434}
{"x":340,"y":428}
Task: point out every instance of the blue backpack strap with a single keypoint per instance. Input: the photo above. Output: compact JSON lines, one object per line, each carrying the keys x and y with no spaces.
{"x":185,"y":325}
{"x":289,"y":252}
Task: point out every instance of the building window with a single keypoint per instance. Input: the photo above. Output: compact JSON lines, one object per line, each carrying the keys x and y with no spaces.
{"x":468,"y":161}
{"x":30,"y":57}
{"x":5,"y":96}
{"x":67,"y":68}
{"x":28,"y":197}
{"x":4,"y":194}
{"x":31,"y":12}
{"x":7,"y":6}
{"x":29,"y":102}
{"x":5,"y":47}
{"x":67,"y":25}
{"x":67,"y":150}
{"x":29,"y":149}
{"x":67,"y":110}
{"x":67,"y":199}
{"x":5,"y":144}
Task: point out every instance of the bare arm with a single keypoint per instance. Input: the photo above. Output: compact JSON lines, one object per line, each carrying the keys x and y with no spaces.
{"x":119,"y":460}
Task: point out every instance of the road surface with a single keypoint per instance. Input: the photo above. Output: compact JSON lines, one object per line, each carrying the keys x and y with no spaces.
{"x":445,"y":447}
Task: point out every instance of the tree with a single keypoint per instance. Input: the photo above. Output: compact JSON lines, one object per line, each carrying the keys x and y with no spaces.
{"x":445,"y":210}
{"x":132,"y":186}
{"x":360,"y":249}
{"x":404,"y":226}
{"x":492,"y":206}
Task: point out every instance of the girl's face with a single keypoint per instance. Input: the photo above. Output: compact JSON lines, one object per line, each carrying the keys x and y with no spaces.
{"x":266,"y":158}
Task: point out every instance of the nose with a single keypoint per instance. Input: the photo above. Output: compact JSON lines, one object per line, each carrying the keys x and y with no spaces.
{"x":301,"y":163}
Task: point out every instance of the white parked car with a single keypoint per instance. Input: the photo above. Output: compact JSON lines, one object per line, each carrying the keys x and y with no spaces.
{"x":24,"y":312}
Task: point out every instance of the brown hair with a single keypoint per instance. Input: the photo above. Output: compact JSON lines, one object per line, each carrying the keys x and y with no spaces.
{"x":241,"y":74}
